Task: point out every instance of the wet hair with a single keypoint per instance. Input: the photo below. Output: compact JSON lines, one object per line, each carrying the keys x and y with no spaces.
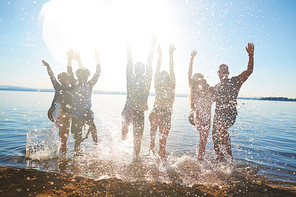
{"x":83,"y":73}
{"x":63,"y":76}
{"x":139,"y":66}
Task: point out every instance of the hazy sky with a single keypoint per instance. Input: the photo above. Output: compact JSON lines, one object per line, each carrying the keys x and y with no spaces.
{"x":218,"y":30}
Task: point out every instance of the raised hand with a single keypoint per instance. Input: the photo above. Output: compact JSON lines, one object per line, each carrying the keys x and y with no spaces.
{"x":70,"y":54}
{"x":250,"y":48}
{"x":193,"y":54}
{"x":45,"y":63}
{"x":172,"y":49}
{"x":76,"y":56}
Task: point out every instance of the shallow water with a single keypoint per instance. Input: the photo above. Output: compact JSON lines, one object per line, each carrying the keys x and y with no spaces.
{"x":263,"y":142}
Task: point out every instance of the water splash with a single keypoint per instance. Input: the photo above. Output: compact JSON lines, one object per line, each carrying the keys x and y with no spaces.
{"x":43,"y":144}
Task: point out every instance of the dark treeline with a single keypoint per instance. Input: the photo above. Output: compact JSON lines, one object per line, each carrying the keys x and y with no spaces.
{"x":277,"y":99}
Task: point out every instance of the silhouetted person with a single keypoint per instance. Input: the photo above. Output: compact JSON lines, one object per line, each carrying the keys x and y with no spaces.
{"x":200,"y":100}
{"x":160,"y":116}
{"x":226,"y":93}
{"x":81,"y":105}
{"x":138,"y":87}
{"x":63,"y":96}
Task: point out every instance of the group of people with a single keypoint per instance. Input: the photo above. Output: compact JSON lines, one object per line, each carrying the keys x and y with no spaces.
{"x":74,"y":95}
{"x":225,"y":95}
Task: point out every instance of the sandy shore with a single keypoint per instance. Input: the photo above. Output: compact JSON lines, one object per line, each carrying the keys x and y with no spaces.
{"x":24,"y":182}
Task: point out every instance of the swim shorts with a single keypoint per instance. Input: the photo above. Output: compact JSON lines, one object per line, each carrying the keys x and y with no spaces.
{"x":225,"y":117}
{"x":129,"y":115}
{"x":78,"y":123}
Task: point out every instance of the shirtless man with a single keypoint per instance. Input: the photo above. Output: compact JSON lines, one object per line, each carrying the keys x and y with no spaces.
{"x":226,"y":93}
{"x":138,"y":87}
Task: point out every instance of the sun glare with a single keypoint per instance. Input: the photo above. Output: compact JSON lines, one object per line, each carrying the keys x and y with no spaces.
{"x":85,"y":25}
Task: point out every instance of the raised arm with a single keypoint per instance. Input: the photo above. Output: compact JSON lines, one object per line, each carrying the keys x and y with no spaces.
{"x":96,"y":76}
{"x":129,"y":66}
{"x":172,"y":73}
{"x":245,"y":74}
{"x":70,"y":56}
{"x":50,"y":73}
{"x":78,"y":59}
{"x":157,"y":70}
{"x":149,"y":70}
{"x":193,"y":54}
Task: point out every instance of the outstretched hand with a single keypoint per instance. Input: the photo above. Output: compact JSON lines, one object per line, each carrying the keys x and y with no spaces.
{"x":172,"y":49}
{"x":76,"y":56}
{"x":193,"y":54}
{"x":70,"y":54}
{"x":250,"y":48}
{"x":45,"y":63}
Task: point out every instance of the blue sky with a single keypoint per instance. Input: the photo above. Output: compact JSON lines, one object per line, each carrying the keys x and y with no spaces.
{"x":218,"y":30}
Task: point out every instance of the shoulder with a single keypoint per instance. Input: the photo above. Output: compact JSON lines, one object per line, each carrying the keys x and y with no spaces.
{"x":57,"y":86}
{"x":235,"y":80}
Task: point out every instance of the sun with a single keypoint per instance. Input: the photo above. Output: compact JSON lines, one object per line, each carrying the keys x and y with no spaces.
{"x":89,"y":24}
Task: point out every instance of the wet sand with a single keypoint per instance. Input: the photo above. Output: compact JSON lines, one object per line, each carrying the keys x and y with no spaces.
{"x":26,"y":182}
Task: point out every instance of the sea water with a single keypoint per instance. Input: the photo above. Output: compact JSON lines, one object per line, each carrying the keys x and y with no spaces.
{"x":263,"y":142}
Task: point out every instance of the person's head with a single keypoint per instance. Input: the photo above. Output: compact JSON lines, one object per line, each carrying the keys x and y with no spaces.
{"x":82,"y":75}
{"x":163,"y":78}
{"x":64,"y":79}
{"x":223,"y":72}
{"x":199,"y":82}
{"x":139,"y":69}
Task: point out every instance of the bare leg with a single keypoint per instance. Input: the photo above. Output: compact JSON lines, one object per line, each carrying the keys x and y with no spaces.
{"x":127,"y":116}
{"x":216,"y":134}
{"x":64,"y":131}
{"x":203,"y":135}
{"x":138,"y":128}
{"x":76,"y":129}
{"x":93,"y":130}
{"x":153,"y":128}
{"x":226,"y":141}
{"x":163,"y":132}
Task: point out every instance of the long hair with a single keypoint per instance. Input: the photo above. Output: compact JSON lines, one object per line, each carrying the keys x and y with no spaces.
{"x":197,"y":80}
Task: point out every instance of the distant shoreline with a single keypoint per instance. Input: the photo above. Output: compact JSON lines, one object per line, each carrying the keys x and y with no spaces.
{"x":276,"y":99}
{"x":18,"y":88}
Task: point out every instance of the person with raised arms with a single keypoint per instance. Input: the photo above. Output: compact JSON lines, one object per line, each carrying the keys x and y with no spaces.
{"x":160,"y":116}
{"x":226,"y":93}
{"x":81,"y":103}
{"x":201,"y":98}
{"x":138,"y":87}
{"x":63,"y":97}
